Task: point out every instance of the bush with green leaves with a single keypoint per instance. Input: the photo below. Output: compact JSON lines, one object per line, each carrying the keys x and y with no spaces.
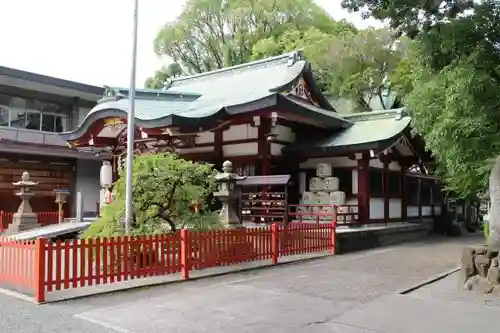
{"x":165,"y":189}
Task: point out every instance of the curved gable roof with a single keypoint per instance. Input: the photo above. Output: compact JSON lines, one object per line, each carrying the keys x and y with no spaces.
{"x":201,"y":97}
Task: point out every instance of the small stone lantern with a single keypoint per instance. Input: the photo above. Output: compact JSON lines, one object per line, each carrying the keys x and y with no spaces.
{"x":228,"y":195}
{"x":24,"y":219}
{"x":61,"y":196}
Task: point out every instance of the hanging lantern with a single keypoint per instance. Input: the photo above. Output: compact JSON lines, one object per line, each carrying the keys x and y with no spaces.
{"x":106,"y":174}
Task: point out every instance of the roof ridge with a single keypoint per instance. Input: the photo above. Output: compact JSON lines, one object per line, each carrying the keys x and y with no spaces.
{"x":295,"y":55}
{"x":376,"y":114}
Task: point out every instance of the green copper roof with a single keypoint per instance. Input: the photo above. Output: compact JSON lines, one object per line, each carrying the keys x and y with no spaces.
{"x":371,"y":130}
{"x":203,"y":97}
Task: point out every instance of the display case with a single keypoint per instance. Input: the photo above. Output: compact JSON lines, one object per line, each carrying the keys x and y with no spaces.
{"x":263,"y":199}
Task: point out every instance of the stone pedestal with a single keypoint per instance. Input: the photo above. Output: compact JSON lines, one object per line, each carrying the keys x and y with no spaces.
{"x":480,"y":269}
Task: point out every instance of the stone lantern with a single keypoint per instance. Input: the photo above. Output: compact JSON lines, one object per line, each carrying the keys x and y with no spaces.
{"x":24,"y":218}
{"x":61,"y":196}
{"x":228,"y":195}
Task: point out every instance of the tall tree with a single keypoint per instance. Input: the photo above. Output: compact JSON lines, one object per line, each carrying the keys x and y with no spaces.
{"x":212,"y":34}
{"x":360,"y":66}
{"x":455,"y":87}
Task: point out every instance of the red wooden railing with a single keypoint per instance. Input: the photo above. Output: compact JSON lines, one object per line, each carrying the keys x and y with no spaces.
{"x":44,"y":218}
{"x":44,"y":266}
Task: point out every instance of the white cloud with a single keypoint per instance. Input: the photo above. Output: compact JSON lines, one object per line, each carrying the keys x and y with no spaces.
{"x":90,"y":41}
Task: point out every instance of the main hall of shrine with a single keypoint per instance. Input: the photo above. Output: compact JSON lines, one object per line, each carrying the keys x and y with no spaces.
{"x":268,"y":117}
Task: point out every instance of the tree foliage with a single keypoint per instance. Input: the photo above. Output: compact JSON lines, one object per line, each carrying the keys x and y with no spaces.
{"x":163,"y":75}
{"x":359,"y":65}
{"x":410,"y":16}
{"x":212,"y":34}
{"x":451,"y":81}
{"x":165,"y":188}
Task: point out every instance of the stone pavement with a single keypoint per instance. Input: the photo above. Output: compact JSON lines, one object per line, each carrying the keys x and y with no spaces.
{"x":438,"y":307}
{"x":314,"y":296}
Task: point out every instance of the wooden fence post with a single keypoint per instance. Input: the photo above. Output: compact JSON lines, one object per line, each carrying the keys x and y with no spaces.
{"x":39,"y":273}
{"x":185,"y":253}
{"x":333,"y":233}
{"x":274,"y":243}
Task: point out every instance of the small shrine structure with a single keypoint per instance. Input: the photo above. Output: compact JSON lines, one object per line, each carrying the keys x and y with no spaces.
{"x":269,"y":117}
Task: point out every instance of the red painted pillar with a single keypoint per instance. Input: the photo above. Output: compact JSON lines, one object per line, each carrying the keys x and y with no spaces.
{"x":218,"y":148}
{"x":364,"y":189}
{"x":264,"y":146}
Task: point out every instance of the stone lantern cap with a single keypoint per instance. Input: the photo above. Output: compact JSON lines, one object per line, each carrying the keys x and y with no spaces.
{"x":227,"y":174}
{"x":25,"y":181}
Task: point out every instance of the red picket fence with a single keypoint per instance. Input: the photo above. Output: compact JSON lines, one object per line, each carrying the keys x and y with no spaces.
{"x":43,"y":266}
{"x":44,"y":218}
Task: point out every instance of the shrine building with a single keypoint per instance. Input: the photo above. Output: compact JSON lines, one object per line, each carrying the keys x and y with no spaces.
{"x":268,"y":117}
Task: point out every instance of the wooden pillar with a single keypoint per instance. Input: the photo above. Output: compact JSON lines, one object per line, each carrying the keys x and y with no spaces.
{"x":404,"y":193}
{"x":363,"y":169}
{"x":218,"y":148}
{"x":385,"y":186}
{"x":264,"y":146}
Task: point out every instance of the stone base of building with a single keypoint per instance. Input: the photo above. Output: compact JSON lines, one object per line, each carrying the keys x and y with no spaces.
{"x":480,"y":269}
{"x":22,"y":222}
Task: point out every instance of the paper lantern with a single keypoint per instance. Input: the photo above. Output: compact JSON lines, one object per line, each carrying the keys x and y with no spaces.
{"x":106,"y":174}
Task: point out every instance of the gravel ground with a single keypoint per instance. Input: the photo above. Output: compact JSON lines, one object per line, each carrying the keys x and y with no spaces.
{"x":287,"y":298}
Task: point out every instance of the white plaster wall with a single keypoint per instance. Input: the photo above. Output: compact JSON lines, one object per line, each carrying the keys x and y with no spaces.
{"x":88,"y":182}
{"x":276,"y":149}
{"x":394,"y":208}
{"x":376,"y":163}
{"x":352,"y":201}
{"x":376,"y":208}
{"x":284,"y":133}
{"x":240,"y":132}
{"x":204,"y":137}
{"x":426,"y":211}
{"x":195,"y":150}
{"x":354,"y":181}
{"x":336,"y":162}
{"x":240,"y":149}
{"x":412,"y":211}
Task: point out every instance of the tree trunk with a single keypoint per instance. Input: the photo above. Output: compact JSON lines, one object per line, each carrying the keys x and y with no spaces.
{"x":494,"y":219}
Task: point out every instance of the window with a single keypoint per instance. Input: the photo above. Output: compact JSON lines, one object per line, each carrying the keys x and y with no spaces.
{"x":4,"y":110}
{"x":412,"y":191}
{"x":32,"y":114}
{"x":345,"y":179}
{"x":394,"y":185}
{"x":48,"y":122}
{"x":425,"y":196}
{"x":33,"y":119}
{"x":18,"y":112}
{"x":376,"y":182}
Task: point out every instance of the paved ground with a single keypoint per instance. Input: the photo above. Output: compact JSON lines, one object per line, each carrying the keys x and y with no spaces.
{"x":305,"y":297}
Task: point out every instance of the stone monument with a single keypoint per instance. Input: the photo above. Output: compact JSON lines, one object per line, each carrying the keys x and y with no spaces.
{"x":228,"y":195}
{"x":24,"y":219}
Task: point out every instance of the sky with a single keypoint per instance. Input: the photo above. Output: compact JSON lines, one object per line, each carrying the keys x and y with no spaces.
{"x":90,"y":41}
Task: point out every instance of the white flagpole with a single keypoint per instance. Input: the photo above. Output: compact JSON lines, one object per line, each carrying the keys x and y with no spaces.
{"x":129,"y":216}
